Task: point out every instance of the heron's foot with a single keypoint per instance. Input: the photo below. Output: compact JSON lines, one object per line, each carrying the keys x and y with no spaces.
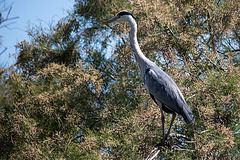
{"x":163,"y":143}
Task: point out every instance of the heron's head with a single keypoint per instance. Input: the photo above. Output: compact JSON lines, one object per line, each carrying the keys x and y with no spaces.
{"x":120,"y":17}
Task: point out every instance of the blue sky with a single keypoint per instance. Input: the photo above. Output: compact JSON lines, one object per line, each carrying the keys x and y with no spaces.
{"x":30,"y":12}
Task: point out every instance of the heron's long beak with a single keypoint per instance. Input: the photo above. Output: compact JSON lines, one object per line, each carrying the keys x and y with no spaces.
{"x":110,"y":20}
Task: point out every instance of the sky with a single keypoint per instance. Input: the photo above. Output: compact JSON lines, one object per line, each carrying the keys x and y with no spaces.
{"x":29,"y":12}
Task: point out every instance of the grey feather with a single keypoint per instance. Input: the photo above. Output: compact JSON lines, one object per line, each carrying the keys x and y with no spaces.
{"x":162,"y":88}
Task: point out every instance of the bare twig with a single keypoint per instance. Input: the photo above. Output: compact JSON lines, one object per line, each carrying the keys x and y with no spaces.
{"x":190,"y":97}
{"x":153,"y":153}
{"x":204,"y":131}
{"x":3,"y":51}
{"x":178,"y":135}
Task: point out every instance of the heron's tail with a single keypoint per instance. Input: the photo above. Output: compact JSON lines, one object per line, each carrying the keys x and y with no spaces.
{"x":187,"y":114}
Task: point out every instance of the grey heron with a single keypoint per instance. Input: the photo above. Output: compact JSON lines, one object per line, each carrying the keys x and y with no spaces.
{"x":162,"y":89}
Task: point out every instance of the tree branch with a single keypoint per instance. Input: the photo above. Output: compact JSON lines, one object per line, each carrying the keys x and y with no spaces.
{"x":153,"y":153}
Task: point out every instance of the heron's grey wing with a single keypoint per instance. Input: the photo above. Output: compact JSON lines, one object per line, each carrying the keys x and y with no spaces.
{"x":161,"y":87}
{"x":165,"y":90}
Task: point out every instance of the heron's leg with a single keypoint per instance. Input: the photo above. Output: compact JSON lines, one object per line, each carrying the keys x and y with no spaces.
{"x":163,"y":120}
{"x":162,"y":143}
{"x":173,"y":117}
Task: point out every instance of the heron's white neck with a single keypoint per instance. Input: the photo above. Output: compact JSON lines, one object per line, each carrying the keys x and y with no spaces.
{"x":133,"y":40}
{"x":140,"y":58}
